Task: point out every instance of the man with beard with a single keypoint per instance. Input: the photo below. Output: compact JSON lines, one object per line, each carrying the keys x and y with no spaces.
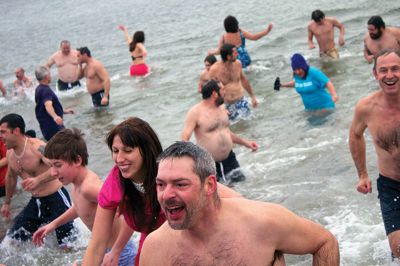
{"x":25,"y":160}
{"x":229,"y":72}
{"x":379,"y":38}
{"x":66,"y":60}
{"x":380,"y":113}
{"x":204,"y":229}
{"x":209,"y":121}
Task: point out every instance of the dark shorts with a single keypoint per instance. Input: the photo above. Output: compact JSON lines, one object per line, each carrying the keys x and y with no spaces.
{"x":2,"y":191}
{"x":63,"y":86}
{"x":389,"y":197}
{"x":41,"y":211}
{"x":96,"y":98}
{"x":229,"y":170}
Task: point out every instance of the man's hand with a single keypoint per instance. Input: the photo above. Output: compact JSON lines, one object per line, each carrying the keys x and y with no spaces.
{"x":5,"y":210}
{"x":104,"y":101}
{"x":364,"y":185}
{"x":58,"y":120}
{"x":254,"y":102}
{"x":30,"y":183}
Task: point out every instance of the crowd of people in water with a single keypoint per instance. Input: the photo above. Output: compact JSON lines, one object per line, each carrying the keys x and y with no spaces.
{"x":179,"y":199}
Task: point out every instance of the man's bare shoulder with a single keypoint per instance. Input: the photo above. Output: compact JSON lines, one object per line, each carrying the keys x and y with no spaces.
{"x":394,"y":31}
{"x":366,"y":104}
{"x":37,"y":146}
{"x":311,"y":25}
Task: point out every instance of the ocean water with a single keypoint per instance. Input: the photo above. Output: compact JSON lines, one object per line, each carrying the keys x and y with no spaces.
{"x":303,"y":162}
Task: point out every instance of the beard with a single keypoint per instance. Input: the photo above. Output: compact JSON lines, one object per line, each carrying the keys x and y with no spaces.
{"x":377,"y":35}
{"x":219,"y":101}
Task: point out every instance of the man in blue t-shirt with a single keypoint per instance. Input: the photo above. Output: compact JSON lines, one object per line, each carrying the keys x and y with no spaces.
{"x":312,"y":85}
{"x":49,"y":111}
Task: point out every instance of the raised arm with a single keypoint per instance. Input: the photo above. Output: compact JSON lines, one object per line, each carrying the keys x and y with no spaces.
{"x":125,"y":31}
{"x":101,"y":233}
{"x":357,"y":148}
{"x":258,"y":35}
{"x":247,"y":87}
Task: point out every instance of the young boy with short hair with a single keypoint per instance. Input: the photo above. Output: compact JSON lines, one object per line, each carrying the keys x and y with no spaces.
{"x":68,"y":157}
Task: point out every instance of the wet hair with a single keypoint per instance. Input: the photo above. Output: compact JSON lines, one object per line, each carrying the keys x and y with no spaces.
{"x":377,"y":21}
{"x":138,"y":37}
{"x":385,"y":53}
{"x":210,"y":59}
{"x":41,"y":72}
{"x":317,"y":15}
{"x":30,"y":133}
{"x":67,"y":145}
{"x":208,"y":88}
{"x":64,"y":42}
{"x":231,"y":24}
{"x":84,"y":50}
{"x":203,"y":163}
{"x":226,"y":49}
{"x":14,"y":121}
{"x":135,"y":132}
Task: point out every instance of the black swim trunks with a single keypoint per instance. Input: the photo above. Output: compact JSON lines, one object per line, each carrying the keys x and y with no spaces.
{"x":2,"y":191}
{"x":63,"y":86}
{"x":229,"y":170}
{"x":41,"y":211}
{"x":96,"y":98}
{"x":389,"y":197}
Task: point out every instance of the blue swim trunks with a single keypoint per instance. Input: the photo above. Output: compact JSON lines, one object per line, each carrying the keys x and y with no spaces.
{"x":389,"y":197}
{"x":238,"y":110}
{"x":128,"y":254}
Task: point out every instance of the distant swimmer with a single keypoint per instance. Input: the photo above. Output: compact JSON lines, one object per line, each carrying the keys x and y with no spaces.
{"x":379,"y":38}
{"x":49,"y":198}
{"x":380,"y":113}
{"x":312,"y":85}
{"x":3,"y":89}
{"x":22,"y":83}
{"x":323,"y":28}
{"x":68,"y":157}
{"x":210,"y":123}
{"x":49,"y":111}
{"x":208,"y":62}
{"x":138,"y":52}
{"x":97,"y":78}
{"x":237,"y":36}
{"x":205,"y":229}
{"x":66,"y":60}
{"x":230,"y":73}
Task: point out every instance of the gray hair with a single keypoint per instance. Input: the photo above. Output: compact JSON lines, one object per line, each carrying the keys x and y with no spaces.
{"x":204,"y":164}
{"x":41,"y":72}
{"x":64,"y":42}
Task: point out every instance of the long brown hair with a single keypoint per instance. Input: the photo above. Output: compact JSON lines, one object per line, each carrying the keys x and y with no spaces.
{"x":134,"y":132}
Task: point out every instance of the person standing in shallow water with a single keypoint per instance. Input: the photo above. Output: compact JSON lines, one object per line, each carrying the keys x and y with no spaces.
{"x":237,"y":36}
{"x":138,"y":52}
{"x":380,"y":113}
{"x":311,"y":84}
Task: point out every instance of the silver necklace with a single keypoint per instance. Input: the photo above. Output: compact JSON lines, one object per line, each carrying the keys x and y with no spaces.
{"x":19,"y":157}
{"x":139,"y":187}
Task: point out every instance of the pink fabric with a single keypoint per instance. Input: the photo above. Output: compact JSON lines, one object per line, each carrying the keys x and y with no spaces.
{"x":110,"y":197}
{"x":139,"y":70}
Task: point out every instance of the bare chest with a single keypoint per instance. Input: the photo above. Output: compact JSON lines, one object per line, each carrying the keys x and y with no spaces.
{"x":27,"y":165}
{"x":213,"y":121}
{"x":90,"y":72}
{"x":322,"y":31}
{"x":62,"y":61}
{"x":386,"y":42}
